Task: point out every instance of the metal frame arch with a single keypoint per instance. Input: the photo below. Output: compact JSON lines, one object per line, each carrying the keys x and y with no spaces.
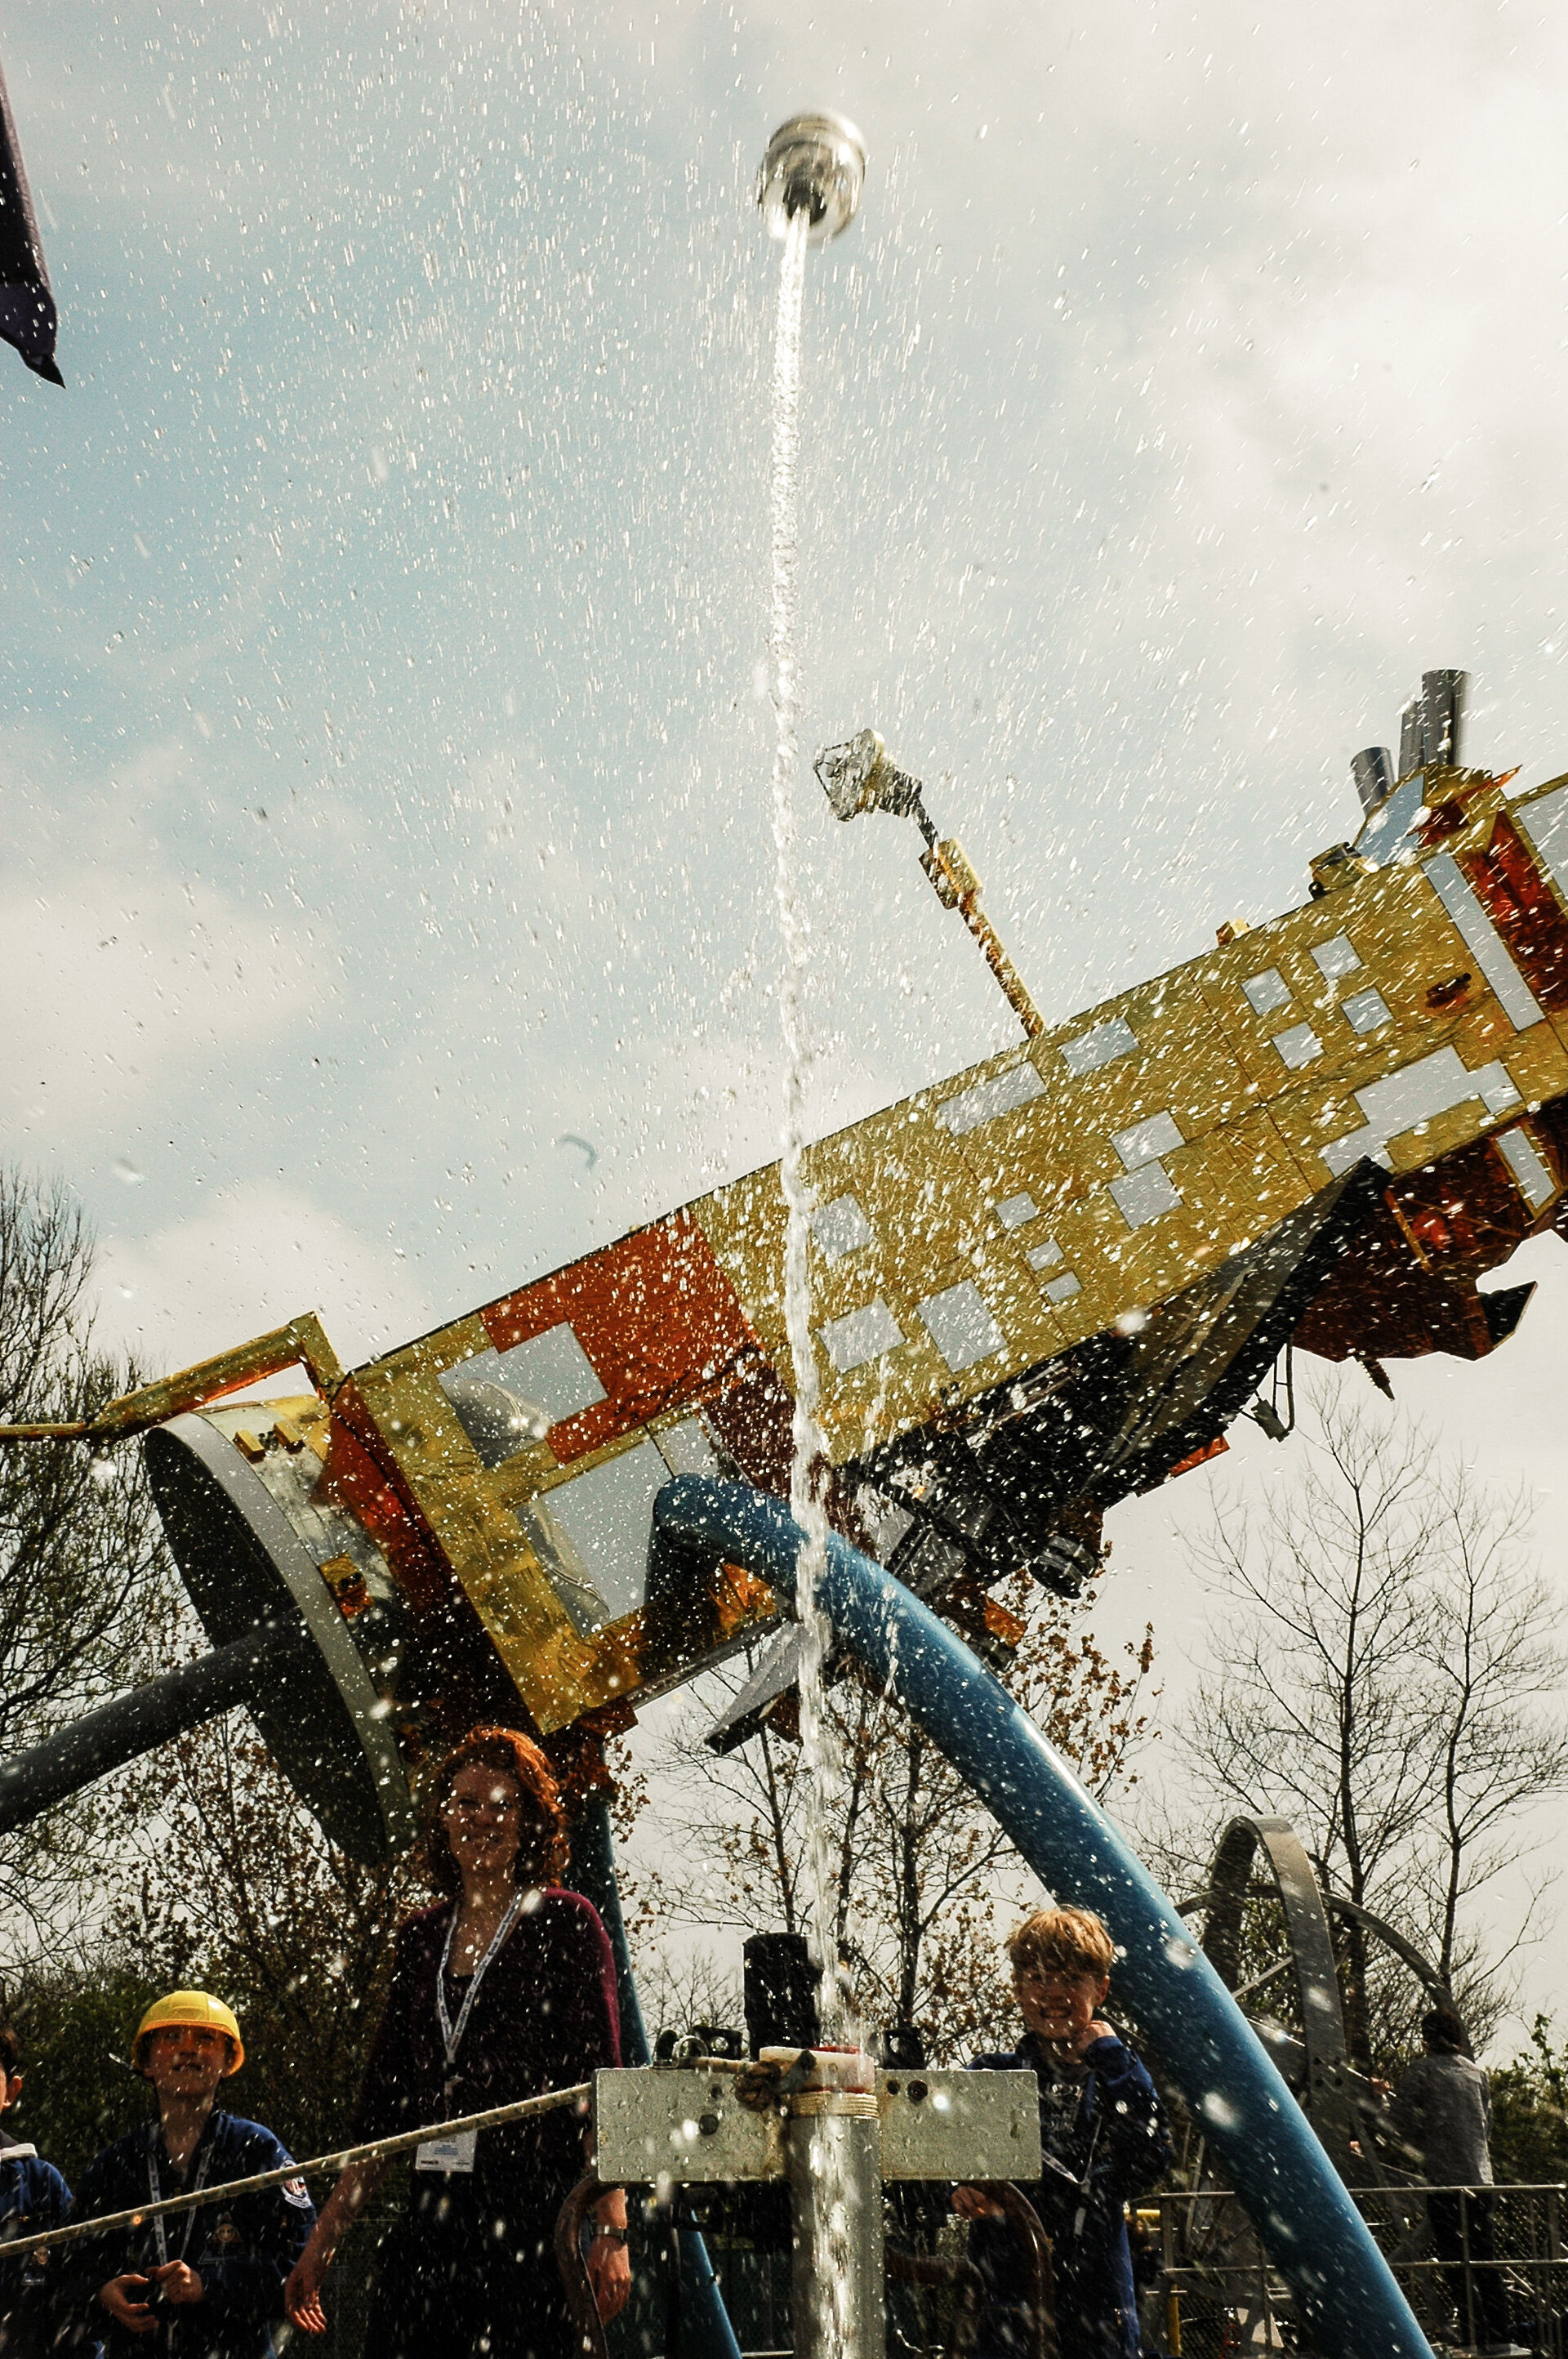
{"x":1327,"y":2095}
{"x":1425,"y":1972}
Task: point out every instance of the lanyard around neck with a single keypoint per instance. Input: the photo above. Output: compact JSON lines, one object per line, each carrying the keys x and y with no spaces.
{"x":155,"y":2189}
{"x":452,"y":2033}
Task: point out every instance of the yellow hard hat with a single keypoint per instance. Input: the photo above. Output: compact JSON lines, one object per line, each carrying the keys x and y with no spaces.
{"x":197,"y":2010}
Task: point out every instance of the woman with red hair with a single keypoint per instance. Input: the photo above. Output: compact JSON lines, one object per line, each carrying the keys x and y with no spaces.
{"x":504,"y":1989}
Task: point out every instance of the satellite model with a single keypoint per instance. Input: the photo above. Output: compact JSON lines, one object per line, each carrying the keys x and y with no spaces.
{"x":1038,"y":1285}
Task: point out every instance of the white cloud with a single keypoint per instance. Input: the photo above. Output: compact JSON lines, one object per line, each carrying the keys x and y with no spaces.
{"x":125,"y":981}
{"x":256,"y":1257}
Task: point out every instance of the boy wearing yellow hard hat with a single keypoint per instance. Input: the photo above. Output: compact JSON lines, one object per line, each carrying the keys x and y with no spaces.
{"x":203,"y":2284}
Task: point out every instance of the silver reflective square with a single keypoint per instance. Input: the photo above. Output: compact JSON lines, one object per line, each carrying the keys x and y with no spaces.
{"x":1157,"y":1135}
{"x":1417,"y":1093}
{"x":1003,"y":1093}
{"x":1536,"y":1184}
{"x":1101,"y":1045}
{"x":1017,"y":1210}
{"x":840,"y":1227}
{"x":1337,"y":957}
{"x":1267,"y":991}
{"x":961,"y":1326}
{"x":861,"y":1335}
{"x":554,"y":1370}
{"x":685,"y":1448}
{"x":1142,"y":1196}
{"x":1299,"y":1046}
{"x":1364,"y":1011}
{"x":608,"y":1515}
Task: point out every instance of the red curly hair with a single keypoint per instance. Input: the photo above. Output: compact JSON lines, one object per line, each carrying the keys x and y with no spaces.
{"x":542,"y":1837}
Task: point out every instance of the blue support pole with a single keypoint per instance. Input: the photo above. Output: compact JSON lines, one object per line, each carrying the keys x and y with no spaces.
{"x":705,"y":2331}
{"x":1346,"y":2293}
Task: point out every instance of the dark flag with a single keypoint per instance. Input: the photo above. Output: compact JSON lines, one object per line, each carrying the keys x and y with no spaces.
{"x":28,"y":318}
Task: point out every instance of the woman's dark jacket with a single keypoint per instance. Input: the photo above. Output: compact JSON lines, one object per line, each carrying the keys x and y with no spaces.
{"x":241,"y":2248}
{"x":545,"y":2017}
{"x":1110,"y":2145}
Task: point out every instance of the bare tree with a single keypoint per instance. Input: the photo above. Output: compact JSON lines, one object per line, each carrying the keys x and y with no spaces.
{"x":221,"y":1875}
{"x":1385,"y":1670}
{"x":679,"y":1988}
{"x":921,"y":1872}
{"x":86,"y":1595}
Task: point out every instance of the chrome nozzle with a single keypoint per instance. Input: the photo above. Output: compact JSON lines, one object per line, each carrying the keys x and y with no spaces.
{"x":815,"y":164}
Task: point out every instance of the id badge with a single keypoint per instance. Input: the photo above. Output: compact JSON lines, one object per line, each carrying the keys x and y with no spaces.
{"x":449,"y":2154}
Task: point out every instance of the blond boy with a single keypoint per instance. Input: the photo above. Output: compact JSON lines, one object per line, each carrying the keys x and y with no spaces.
{"x":1104,"y":2139}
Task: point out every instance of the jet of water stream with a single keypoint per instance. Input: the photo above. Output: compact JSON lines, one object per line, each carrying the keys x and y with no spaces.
{"x":819,"y":1764}
{"x":810,"y":1463}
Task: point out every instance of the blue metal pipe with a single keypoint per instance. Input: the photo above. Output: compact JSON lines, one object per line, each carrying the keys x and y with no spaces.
{"x":705,"y":2331}
{"x":1303,"y":2211}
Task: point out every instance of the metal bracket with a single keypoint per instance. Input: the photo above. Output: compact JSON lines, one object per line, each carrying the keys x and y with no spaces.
{"x":691,"y":2126}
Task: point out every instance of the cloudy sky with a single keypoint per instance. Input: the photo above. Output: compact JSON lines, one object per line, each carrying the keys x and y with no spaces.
{"x":383,"y":735}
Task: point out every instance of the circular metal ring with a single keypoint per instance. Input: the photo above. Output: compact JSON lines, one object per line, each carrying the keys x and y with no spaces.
{"x":244,"y":1565}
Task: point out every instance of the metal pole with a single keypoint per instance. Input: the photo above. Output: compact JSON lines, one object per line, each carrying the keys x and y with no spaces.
{"x":1465,"y":2262}
{"x":104,"y":1740}
{"x":836,"y":2207}
{"x":957,"y":888}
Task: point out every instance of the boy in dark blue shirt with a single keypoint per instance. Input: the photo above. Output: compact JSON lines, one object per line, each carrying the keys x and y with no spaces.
{"x":33,"y":2198}
{"x":1103,"y":2133}
{"x":203,"y":2284}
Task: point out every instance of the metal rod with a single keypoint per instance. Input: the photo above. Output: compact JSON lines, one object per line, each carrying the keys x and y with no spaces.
{"x":32,"y":1782}
{"x":378,"y":2149}
{"x":302,"y":1343}
{"x":967,"y":904}
{"x":1001,"y":966}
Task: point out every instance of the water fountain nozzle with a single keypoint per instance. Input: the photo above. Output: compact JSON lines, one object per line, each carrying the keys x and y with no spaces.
{"x":816,"y":165}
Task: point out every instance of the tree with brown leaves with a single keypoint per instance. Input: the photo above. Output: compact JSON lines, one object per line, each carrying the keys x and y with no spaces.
{"x":923,"y":1879}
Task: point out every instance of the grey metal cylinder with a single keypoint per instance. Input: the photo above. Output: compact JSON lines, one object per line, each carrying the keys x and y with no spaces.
{"x":1411,"y":738}
{"x":1373,"y":771}
{"x":1443,"y":698}
{"x":835,"y":2206}
{"x":35,"y":1780}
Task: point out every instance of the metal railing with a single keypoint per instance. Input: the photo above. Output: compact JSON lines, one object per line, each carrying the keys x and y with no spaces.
{"x":1502,"y":2274}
